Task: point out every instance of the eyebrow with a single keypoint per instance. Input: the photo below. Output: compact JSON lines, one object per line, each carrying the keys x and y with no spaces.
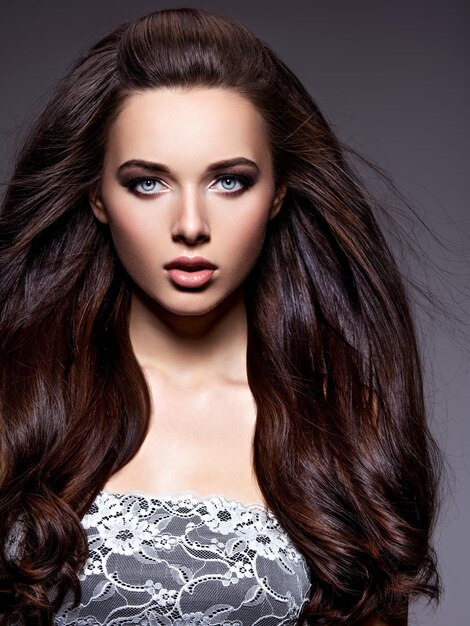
{"x":160,"y":167}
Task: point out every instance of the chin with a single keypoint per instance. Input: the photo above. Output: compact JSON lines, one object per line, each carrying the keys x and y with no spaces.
{"x":188,"y":303}
{"x":192,"y":311}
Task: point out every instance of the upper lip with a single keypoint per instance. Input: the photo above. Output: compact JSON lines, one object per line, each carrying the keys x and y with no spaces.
{"x":190,"y":263}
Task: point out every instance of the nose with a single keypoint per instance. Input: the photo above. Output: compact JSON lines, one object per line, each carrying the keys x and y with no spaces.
{"x":190,"y":223}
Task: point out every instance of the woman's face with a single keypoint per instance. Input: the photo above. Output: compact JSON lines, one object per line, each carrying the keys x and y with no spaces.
{"x":165,"y":193}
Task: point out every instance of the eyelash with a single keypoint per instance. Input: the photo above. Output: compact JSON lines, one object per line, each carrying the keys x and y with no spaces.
{"x":246,"y":180}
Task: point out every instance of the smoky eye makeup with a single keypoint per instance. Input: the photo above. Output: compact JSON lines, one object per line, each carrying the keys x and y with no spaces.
{"x":247,"y":179}
{"x":145,"y":185}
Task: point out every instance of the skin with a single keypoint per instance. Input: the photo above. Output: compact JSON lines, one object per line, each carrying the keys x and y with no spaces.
{"x":191,"y":344}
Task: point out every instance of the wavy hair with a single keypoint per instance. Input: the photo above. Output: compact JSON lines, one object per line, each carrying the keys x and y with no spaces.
{"x":342,"y":450}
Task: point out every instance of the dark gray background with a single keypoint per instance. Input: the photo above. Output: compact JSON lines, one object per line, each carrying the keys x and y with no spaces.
{"x":392,"y":79}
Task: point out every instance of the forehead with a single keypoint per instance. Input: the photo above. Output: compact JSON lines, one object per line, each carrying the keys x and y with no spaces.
{"x":196,"y":124}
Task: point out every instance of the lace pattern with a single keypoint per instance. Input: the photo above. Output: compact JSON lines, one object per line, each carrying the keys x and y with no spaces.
{"x":186,"y":560}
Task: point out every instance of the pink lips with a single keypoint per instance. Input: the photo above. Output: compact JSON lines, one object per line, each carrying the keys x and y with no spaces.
{"x":190,"y":271}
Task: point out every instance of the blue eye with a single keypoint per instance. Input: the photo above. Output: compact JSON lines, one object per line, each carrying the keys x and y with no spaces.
{"x":245,"y":182}
{"x":233,"y":180}
{"x":233,"y":184}
{"x":145,"y":186}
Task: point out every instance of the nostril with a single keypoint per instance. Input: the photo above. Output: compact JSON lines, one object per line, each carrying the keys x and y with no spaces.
{"x":187,"y":239}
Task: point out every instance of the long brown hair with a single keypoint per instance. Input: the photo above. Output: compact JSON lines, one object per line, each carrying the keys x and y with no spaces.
{"x":342,"y":452}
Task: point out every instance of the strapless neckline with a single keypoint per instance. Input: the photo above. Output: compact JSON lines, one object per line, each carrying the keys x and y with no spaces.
{"x":181,"y":496}
{"x":186,"y":558}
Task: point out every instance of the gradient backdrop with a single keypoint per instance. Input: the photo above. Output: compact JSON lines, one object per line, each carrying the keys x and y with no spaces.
{"x":392,"y":79}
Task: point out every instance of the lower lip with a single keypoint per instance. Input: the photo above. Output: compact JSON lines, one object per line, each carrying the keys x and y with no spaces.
{"x":190,"y":279}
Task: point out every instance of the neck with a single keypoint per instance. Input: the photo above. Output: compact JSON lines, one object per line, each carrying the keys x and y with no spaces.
{"x":191,"y":348}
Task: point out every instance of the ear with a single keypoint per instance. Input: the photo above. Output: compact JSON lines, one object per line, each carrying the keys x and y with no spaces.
{"x":97,"y":205}
{"x":277,"y":200}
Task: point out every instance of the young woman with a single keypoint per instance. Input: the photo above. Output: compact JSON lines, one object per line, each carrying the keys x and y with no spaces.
{"x":211,"y":394}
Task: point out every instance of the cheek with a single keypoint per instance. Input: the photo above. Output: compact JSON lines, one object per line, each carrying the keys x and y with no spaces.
{"x":135,"y":242}
{"x":244,"y":239}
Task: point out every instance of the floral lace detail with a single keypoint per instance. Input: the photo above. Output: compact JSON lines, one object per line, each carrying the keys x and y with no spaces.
{"x":186,"y":559}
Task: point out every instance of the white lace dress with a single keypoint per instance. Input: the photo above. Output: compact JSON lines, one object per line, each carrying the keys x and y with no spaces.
{"x":186,"y":559}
